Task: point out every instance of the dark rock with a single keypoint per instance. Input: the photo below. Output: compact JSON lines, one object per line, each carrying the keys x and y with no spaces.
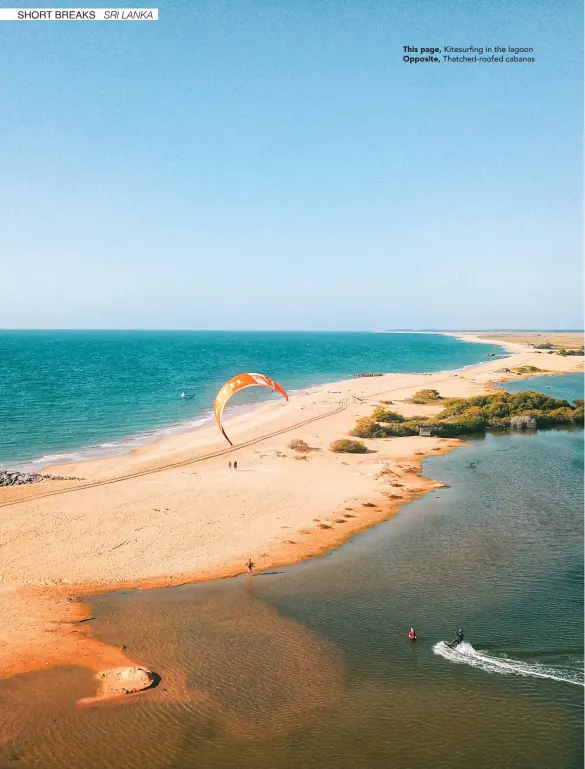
{"x":16,"y":478}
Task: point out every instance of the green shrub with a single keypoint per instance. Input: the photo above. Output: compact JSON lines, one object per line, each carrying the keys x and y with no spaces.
{"x":367,"y":427}
{"x":473,"y":417}
{"x":499,"y":423}
{"x":347,"y":446}
{"x":497,"y":411}
{"x":425,"y":396}
{"x":380,"y":414}
{"x":503,"y":404}
{"x":531,"y":400}
{"x":557,"y":417}
{"x":460,"y":416}
{"x":467,"y":421}
{"x":418,"y":421}
{"x":400,"y":429}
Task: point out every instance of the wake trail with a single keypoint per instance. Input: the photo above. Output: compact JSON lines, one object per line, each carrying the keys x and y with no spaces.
{"x":465,"y":654}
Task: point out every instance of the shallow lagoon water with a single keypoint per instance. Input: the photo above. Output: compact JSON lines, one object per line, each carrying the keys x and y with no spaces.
{"x":310,"y":666}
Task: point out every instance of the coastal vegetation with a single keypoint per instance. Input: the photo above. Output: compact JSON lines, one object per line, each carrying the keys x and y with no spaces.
{"x":368,"y":427}
{"x":347,"y":446}
{"x":425,"y":396}
{"x":560,"y":350}
{"x":383,"y":415}
{"x":460,"y":416}
{"x":527,"y":369}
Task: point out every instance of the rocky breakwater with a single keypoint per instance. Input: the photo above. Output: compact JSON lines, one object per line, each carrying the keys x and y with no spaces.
{"x":15,"y":478}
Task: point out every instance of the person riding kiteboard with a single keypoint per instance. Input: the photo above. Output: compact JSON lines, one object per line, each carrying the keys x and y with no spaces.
{"x":458,"y":638}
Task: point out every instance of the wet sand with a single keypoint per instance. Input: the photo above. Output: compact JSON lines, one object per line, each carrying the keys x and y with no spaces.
{"x":172,"y":512}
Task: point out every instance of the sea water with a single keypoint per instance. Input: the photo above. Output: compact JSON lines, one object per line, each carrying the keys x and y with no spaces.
{"x":69,"y":395}
{"x":310,"y":666}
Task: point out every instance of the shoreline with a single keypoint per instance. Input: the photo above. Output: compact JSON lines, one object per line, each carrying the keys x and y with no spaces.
{"x":120,"y":447}
{"x":321,"y":504}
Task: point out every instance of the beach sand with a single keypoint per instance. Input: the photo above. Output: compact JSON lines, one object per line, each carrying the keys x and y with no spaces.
{"x":172,"y":511}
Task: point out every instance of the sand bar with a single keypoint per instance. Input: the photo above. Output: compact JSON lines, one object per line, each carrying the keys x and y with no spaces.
{"x":567,"y":339}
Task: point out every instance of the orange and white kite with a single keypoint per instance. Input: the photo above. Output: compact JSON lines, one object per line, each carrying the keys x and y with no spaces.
{"x":237,"y":383}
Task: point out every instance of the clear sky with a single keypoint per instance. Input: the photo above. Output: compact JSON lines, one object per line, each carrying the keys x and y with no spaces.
{"x":274,"y":164}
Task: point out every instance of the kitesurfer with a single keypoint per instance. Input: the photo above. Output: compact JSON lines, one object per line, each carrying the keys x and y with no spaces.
{"x":458,"y":638}
{"x":412,"y":634}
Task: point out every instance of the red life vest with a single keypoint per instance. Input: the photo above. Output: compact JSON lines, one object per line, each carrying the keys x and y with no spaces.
{"x":412,"y":635}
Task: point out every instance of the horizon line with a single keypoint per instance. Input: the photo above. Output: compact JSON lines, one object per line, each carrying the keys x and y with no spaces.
{"x":311,"y":331}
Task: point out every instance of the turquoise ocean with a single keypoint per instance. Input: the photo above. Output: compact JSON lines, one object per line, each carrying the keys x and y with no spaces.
{"x":68,"y":395}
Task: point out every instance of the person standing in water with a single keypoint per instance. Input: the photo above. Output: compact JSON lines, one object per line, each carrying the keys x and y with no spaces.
{"x":412,"y":634}
{"x":249,"y":565}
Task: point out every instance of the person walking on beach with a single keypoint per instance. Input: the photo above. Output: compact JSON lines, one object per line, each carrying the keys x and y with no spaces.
{"x":230,"y":464}
{"x":249,"y":565}
{"x":236,"y":464}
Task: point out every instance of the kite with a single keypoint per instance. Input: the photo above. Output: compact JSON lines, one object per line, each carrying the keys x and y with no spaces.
{"x":237,"y":383}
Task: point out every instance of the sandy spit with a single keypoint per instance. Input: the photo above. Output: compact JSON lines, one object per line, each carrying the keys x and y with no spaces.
{"x":172,"y":511}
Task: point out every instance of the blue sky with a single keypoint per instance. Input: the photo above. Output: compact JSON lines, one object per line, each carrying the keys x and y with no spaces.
{"x":274,"y":164}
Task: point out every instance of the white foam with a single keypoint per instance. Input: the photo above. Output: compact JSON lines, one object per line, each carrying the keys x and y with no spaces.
{"x":52,"y":458}
{"x":465,"y":654}
{"x":113,"y":448}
